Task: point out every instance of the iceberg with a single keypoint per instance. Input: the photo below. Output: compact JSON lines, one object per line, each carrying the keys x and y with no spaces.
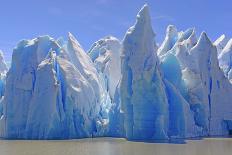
{"x":132,"y":88}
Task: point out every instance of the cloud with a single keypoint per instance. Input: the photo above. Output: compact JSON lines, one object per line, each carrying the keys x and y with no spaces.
{"x":164,"y":17}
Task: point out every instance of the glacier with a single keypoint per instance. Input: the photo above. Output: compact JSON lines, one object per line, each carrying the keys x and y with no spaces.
{"x":131,"y":88}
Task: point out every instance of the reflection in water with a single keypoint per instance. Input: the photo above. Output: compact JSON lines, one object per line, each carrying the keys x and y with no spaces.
{"x":109,"y":146}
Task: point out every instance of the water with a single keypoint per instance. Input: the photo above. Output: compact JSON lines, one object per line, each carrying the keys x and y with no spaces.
{"x":109,"y":146}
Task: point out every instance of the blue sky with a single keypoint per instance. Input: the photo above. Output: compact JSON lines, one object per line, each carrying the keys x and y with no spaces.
{"x":90,"y":20}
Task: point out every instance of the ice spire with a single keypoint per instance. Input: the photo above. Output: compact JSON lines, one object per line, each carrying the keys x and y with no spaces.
{"x":142,"y":92}
{"x":225,"y":59}
{"x":139,"y":42}
{"x":220,"y":43}
{"x":204,"y":39}
{"x":144,"y":15}
{"x":170,"y":40}
{"x":3,"y":66}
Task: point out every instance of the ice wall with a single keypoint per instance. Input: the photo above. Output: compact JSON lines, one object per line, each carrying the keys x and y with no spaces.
{"x":201,"y":82}
{"x":131,"y":89}
{"x":51,"y":96}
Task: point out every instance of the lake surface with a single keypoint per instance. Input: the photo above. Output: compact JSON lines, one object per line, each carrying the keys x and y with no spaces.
{"x":110,"y":146}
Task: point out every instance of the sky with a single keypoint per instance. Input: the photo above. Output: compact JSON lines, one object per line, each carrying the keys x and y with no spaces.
{"x":90,"y":20}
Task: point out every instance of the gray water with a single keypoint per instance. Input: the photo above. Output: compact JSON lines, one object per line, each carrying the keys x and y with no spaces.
{"x":109,"y":146}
